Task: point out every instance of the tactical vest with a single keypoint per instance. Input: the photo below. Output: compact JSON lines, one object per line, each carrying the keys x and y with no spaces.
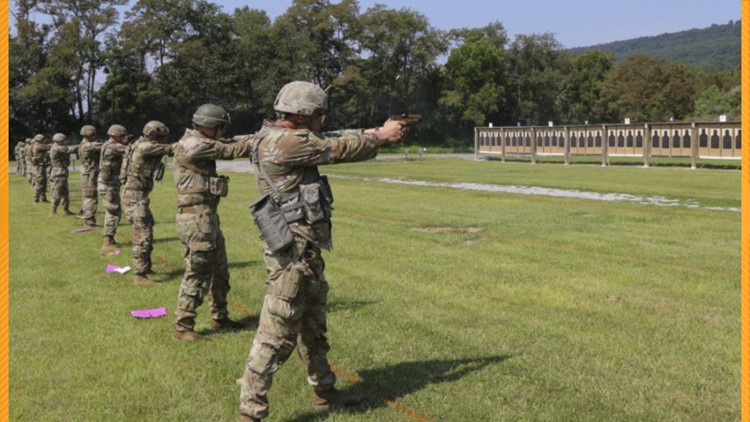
{"x":204,"y":185}
{"x":89,"y":158}
{"x":60,"y":158}
{"x":139,"y":172}
{"x":308,"y":202}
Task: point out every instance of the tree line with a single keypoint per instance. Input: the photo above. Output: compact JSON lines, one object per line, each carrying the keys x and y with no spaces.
{"x":86,"y":63}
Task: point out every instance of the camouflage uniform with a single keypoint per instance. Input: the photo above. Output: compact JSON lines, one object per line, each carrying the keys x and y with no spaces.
{"x":40,"y":161}
{"x":143,"y":157}
{"x":206,"y":270}
{"x":89,"y":152}
{"x":60,"y":159}
{"x":109,"y":185}
{"x":28,"y":164}
{"x":20,"y":159}
{"x":294,"y":305}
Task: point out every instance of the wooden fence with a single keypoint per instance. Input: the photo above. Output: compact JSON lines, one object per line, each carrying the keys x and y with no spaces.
{"x":696,"y":140}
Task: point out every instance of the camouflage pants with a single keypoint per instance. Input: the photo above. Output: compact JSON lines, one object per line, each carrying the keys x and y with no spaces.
{"x":206,"y":269}
{"x":89,"y":198}
{"x":139,"y":214}
{"x":60,"y":194}
{"x":112,"y":210}
{"x":40,"y":184}
{"x":29,"y":172}
{"x":293,"y":311}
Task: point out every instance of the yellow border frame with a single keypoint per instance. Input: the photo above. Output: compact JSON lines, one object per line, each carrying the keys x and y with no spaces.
{"x":4,"y":212}
{"x":745,"y":233}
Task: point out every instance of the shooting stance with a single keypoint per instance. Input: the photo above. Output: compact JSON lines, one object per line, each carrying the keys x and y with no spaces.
{"x":60,"y":158}
{"x":293,"y":215}
{"x":140,"y":167}
{"x":199,"y":190}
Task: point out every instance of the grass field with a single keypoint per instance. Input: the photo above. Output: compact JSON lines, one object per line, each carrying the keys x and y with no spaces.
{"x":445,"y":304}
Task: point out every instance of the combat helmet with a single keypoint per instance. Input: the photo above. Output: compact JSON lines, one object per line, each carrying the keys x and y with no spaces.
{"x":155,"y":129}
{"x":39,"y":138}
{"x":210,"y":116}
{"x":301,"y":97}
{"x":58,"y":137}
{"x":117,"y":130}
{"x":88,"y":130}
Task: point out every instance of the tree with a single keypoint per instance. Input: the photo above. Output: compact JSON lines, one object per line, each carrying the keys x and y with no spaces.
{"x":714,"y":102}
{"x":476,"y":79}
{"x":583,"y":87}
{"x":647,"y":89}
{"x":79,"y":24}
{"x":401,"y":48}
{"x":536,"y":67}
{"x":40,"y":88}
{"x":174,"y":55}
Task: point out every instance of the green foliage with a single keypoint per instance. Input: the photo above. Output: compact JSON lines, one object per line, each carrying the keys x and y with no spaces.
{"x":536,"y":66}
{"x":714,"y":102}
{"x":476,"y":79}
{"x":647,"y":90}
{"x":583,"y":87}
{"x":166,"y":58}
{"x":715,"y":48}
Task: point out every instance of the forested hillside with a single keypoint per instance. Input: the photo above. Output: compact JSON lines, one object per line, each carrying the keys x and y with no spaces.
{"x":714,"y":48}
{"x":162,"y":59}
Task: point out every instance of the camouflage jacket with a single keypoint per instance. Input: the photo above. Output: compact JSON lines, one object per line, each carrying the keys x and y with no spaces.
{"x":60,"y":159}
{"x":89,"y":153}
{"x":195,"y":163}
{"x":18,"y":150}
{"x":290,"y":157}
{"x":142,"y":158}
{"x":40,"y":154}
{"x":27,"y":153}
{"x":109,"y":165}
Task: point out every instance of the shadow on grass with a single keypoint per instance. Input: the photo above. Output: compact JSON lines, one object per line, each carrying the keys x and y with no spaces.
{"x":166,"y":239}
{"x":346,"y":306}
{"x":249,"y":323}
{"x":384,"y":386}
{"x":243,"y":264}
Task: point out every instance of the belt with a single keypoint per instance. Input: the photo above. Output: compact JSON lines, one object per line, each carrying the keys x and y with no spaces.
{"x":187,"y":210}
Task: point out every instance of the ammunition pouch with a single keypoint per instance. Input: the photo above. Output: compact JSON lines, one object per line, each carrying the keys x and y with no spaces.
{"x":310,"y":197}
{"x":159,"y":171}
{"x":218,"y":186}
{"x":269,"y":218}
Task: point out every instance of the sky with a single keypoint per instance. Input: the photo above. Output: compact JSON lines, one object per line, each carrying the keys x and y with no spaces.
{"x":575,"y":23}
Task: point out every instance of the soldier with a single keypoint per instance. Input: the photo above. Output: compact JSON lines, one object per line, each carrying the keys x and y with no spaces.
{"x":28,"y":165}
{"x":20,"y":159}
{"x":60,"y":158}
{"x":200,"y":189}
{"x":141,"y":166}
{"x":287,"y":154}
{"x":109,"y":181}
{"x":40,"y":161}
{"x":89,"y":152}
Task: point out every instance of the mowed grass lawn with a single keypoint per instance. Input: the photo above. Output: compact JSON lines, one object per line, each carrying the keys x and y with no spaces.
{"x":445,"y":304}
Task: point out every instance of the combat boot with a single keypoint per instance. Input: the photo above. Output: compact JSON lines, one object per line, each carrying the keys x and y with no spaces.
{"x":68,"y":212}
{"x":226,"y":324}
{"x":53,"y":213}
{"x":245,"y":418}
{"x":109,"y":241}
{"x":143,"y":280}
{"x":334,"y":399}
{"x":187,"y":336}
